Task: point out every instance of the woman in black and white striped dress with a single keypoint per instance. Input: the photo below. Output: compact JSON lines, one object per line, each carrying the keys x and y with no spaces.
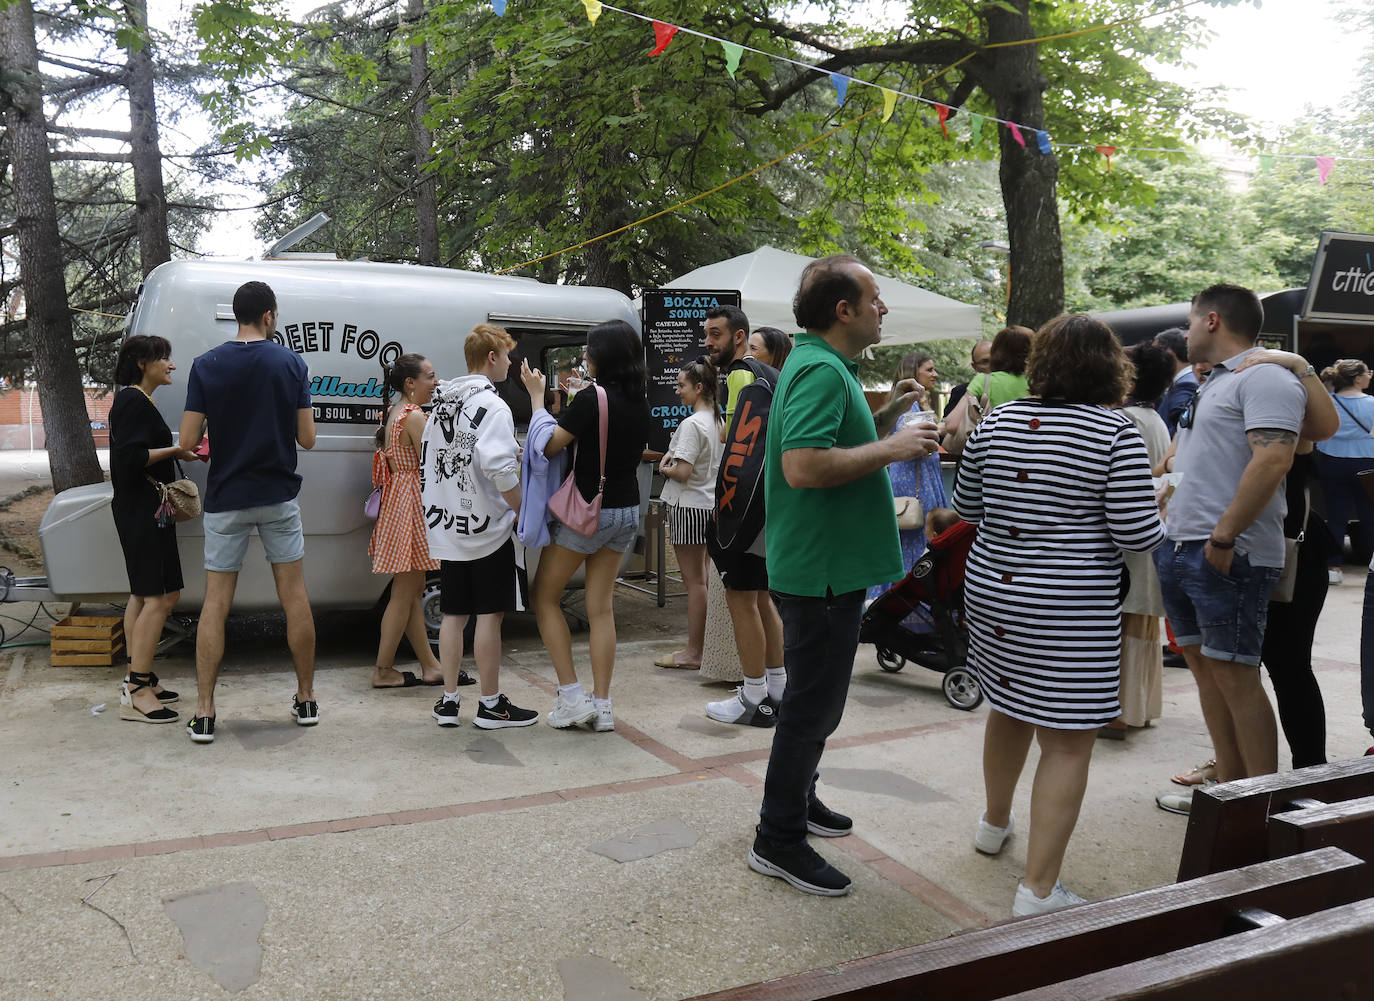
{"x":1059,"y":485}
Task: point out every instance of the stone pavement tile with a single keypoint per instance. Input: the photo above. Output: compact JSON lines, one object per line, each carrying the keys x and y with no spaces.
{"x":167,"y":845}
{"x":350,"y":765}
{"x":482,"y":906}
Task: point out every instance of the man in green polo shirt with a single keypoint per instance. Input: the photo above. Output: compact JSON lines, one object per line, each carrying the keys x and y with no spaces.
{"x":831,"y":534}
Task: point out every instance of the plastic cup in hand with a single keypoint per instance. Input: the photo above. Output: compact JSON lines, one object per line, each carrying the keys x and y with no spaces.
{"x":915,"y":418}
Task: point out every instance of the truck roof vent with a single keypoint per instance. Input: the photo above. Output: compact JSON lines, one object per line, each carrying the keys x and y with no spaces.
{"x":296,"y":236}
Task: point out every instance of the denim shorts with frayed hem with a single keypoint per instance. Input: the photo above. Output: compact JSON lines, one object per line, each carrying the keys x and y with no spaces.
{"x":1223,"y":613}
{"x":616,"y":530}
{"x":279,"y":528}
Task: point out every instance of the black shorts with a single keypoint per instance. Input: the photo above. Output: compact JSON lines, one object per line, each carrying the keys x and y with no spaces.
{"x":481,"y":587}
{"x":741,"y":571}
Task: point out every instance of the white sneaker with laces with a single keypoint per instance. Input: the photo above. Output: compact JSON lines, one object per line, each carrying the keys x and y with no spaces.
{"x":565,"y":714}
{"x":604,"y":720}
{"x":1027,"y":903}
{"x":988,"y":839}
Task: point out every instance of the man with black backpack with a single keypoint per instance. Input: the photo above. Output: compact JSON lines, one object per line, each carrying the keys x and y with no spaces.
{"x":735,"y":538}
{"x":832,"y":533}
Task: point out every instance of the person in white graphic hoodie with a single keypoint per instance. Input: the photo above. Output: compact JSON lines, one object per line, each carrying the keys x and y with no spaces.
{"x":470,"y":492}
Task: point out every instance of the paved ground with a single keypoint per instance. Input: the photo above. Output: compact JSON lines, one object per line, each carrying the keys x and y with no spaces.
{"x":378,"y":856}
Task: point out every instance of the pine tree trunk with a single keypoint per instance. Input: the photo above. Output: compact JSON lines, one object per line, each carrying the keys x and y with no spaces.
{"x":154,"y":247}
{"x":426,"y":209}
{"x":71,"y":449}
{"x":1030,"y":179}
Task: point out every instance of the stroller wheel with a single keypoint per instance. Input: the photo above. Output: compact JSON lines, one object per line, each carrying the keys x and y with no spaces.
{"x":961,"y":689}
{"x":890,"y":661}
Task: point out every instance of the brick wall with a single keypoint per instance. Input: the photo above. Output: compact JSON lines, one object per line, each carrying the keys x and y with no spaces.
{"x":20,"y":414}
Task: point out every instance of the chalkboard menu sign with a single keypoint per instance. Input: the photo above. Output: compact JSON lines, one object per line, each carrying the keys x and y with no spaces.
{"x":1342,"y":285}
{"x":674,"y":334}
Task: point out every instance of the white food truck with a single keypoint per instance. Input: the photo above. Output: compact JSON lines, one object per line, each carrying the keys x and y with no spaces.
{"x":345,"y":318}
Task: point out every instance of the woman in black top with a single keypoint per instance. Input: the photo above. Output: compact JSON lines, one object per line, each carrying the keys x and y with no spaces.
{"x":141,"y":447}
{"x":615,"y":360}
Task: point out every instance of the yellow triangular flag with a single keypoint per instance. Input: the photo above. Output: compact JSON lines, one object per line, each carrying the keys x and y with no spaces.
{"x":889,"y":102}
{"x":593,"y":9}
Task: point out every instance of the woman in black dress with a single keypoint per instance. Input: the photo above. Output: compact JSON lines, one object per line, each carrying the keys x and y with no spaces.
{"x":141,"y":447}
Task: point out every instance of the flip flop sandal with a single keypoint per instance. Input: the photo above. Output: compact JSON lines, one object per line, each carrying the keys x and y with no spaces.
{"x":1197,"y":775}
{"x":408,"y":680}
{"x":669,"y":662}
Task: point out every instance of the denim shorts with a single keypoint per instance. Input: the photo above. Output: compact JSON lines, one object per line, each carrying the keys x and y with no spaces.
{"x":279,"y":528}
{"x":616,"y":530}
{"x":1223,"y":613}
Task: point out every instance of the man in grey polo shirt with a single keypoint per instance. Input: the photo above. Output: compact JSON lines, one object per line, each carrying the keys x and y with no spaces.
{"x":1225,"y":544}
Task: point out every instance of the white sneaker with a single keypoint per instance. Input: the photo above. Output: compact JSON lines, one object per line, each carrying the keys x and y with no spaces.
{"x":1335,"y":575}
{"x":604,"y":720}
{"x":565,"y":714}
{"x":1027,"y":903}
{"x":738,"y":709}
{"x":988,"y":839}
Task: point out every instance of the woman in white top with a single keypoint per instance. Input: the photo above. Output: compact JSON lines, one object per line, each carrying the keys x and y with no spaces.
{"x":690,"y":466}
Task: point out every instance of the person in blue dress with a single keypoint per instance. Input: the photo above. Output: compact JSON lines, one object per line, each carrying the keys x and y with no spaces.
{"x":920,"y":478}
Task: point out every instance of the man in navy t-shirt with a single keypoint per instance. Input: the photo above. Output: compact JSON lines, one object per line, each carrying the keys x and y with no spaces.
{"x":254,"y":395}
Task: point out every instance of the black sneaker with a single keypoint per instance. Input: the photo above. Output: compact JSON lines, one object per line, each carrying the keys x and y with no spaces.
{"x":445,"y":713}
{"x":504,"y":713}
{"x":306,"y":713}
{"x":465,"y":679}
{"x":825,"y":822}
{"x":202,"y":729}
{"x":800,"y":865}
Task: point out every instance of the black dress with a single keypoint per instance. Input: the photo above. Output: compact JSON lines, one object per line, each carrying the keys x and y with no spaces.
{"x":150,"y":551}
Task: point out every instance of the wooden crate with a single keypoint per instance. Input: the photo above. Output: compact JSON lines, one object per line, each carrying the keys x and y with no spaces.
{"x":88,"y":641}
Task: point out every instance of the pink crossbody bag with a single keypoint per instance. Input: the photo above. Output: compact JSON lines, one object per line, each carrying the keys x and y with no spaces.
{"x":566,"y":504}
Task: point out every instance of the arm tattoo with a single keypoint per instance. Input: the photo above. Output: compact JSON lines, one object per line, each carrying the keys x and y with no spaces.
{"x":1262,"y":437}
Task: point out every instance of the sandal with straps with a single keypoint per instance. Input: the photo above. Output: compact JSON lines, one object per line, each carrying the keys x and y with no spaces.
{"x":1197,"y":775}
{"x":127,"y":709}
{"x":166,"y":696}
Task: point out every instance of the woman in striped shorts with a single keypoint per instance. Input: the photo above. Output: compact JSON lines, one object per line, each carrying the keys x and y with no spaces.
{"x":690,"y":466}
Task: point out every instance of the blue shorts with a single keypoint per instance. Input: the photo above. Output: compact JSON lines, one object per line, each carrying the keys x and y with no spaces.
{"x":1223,"y":613}
{"x":279,"y":528}
{"x":616,"y":530}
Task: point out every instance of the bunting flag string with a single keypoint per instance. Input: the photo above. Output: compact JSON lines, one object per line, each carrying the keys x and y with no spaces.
{"x":733,"y":52}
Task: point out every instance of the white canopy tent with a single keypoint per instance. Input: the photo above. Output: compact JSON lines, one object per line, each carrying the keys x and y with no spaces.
{"x":768,"y":278}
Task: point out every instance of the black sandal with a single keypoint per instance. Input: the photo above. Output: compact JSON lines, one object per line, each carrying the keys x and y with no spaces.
{"x":127,"y":709}
{"x":166,"y":697}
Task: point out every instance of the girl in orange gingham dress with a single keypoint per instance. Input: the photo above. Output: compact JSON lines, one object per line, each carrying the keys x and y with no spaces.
{"x":398,"y":545}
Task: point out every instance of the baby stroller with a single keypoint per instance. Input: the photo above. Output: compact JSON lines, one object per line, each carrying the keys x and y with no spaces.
{"x":931,"y":595}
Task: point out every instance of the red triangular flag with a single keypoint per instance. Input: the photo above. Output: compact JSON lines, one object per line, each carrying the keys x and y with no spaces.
{"x":943,"y":111}
{"x":663,"y":34}
{"x":1108,"y":152}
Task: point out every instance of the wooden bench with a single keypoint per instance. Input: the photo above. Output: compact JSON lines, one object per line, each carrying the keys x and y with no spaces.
{"x":1348,"y":824}
{"x":1093,"y":939}
{"x":1228,"y":824}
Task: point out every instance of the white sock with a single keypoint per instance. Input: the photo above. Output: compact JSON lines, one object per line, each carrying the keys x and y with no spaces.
{"x":490,"y":700}
{"x":602,"y":704}
{"x":571,"y":694}
{"x":451,"y":696}
{"x":776,"y":677}
{"x":755,"y":689}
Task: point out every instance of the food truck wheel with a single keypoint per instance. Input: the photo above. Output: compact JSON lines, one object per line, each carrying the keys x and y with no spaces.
{"x":429,"y":607}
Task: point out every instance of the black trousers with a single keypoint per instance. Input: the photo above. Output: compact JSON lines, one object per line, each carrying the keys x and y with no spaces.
{"x":1287,"y":655}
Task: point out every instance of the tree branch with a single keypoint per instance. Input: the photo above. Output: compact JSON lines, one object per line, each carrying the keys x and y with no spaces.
{"x":95,"y":157}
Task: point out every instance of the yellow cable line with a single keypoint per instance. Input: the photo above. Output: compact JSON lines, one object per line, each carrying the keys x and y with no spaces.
{"x":838,"y":128}
{"x":96,"y":312}
{"x":1089,"y":31}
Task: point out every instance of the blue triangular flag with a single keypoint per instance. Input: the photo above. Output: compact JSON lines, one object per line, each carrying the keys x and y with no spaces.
{"x":499,"y":6}
{"x":1042,"y":139}
{"x":841,"y":83}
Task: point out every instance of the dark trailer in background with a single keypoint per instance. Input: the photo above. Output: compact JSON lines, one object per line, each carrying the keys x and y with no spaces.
{"x":1332,"y":318}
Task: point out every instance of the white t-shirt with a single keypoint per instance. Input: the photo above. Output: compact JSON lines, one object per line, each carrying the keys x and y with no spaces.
{"x":697,"y":442}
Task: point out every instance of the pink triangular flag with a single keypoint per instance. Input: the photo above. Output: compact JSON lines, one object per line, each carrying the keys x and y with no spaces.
{"x":663,"y":34}
{"x":1016,"y":134}
{"x":943,"y":111}
{"x":1324,"y":165}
